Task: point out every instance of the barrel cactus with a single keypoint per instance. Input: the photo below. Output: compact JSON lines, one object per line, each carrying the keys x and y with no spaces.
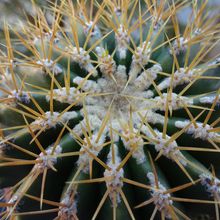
{"x":110,"y":110}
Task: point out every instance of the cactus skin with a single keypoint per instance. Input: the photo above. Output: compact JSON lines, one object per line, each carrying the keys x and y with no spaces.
{"x":110,"y":110}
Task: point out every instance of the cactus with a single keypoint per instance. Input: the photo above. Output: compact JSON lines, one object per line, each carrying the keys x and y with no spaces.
{"x":110,"y":110}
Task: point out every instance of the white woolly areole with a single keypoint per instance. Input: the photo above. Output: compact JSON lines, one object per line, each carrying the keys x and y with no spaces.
{"x":154,"y":118}
{"x":121,"y":74}
{"x":212,"y":184}
{"x":134,"y":143}
{"x":47,"y":37}
{"x":181,"y":76}
{"x":199,"y":132}
{"x":140,"y":58}
{"x":118,"y":10}
{"x":215,"y":62}
{"x":48,"y":160}
{"x":170,"y":151}
{"x":45,"y":62}
{"x":107,"y":64}
{"x":157,"y":21}
{"x":56,"y":36}
{"x":87,"y":85}
{"x":82,"y":57}
{"x":175,"y":102}
{"x":122,"y":40}
{"x":209,"y":99}
{"x":49,"y":120}
{"x":142,"y":54}
{"x":94,"y":123}
{"x":20,"y":96}
{"x":54,"y":68}
{"x":197,"y":31}
{"x":69,"y":210}
{"x":114,"y":177}
{"x":91,"y":146}
{"x":93,"y":29}
{"x":161,"y":199}
{"x":145,"y":78}
{"x":64,"y":96}
{"x":179,"y":46}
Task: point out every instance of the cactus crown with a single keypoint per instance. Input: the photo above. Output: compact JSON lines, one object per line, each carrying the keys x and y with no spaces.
{"x":110,"y":110}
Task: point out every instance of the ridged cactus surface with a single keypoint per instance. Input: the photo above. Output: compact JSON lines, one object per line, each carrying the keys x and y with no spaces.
{"x":110,"y":110}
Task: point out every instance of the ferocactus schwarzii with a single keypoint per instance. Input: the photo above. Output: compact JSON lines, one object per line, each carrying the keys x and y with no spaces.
{"x":110,"y":110}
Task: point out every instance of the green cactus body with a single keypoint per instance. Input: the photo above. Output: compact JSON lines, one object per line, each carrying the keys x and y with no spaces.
{"x":110,"y":110}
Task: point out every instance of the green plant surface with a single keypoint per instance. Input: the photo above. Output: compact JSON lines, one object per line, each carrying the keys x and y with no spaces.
{"x":110,"y":110}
